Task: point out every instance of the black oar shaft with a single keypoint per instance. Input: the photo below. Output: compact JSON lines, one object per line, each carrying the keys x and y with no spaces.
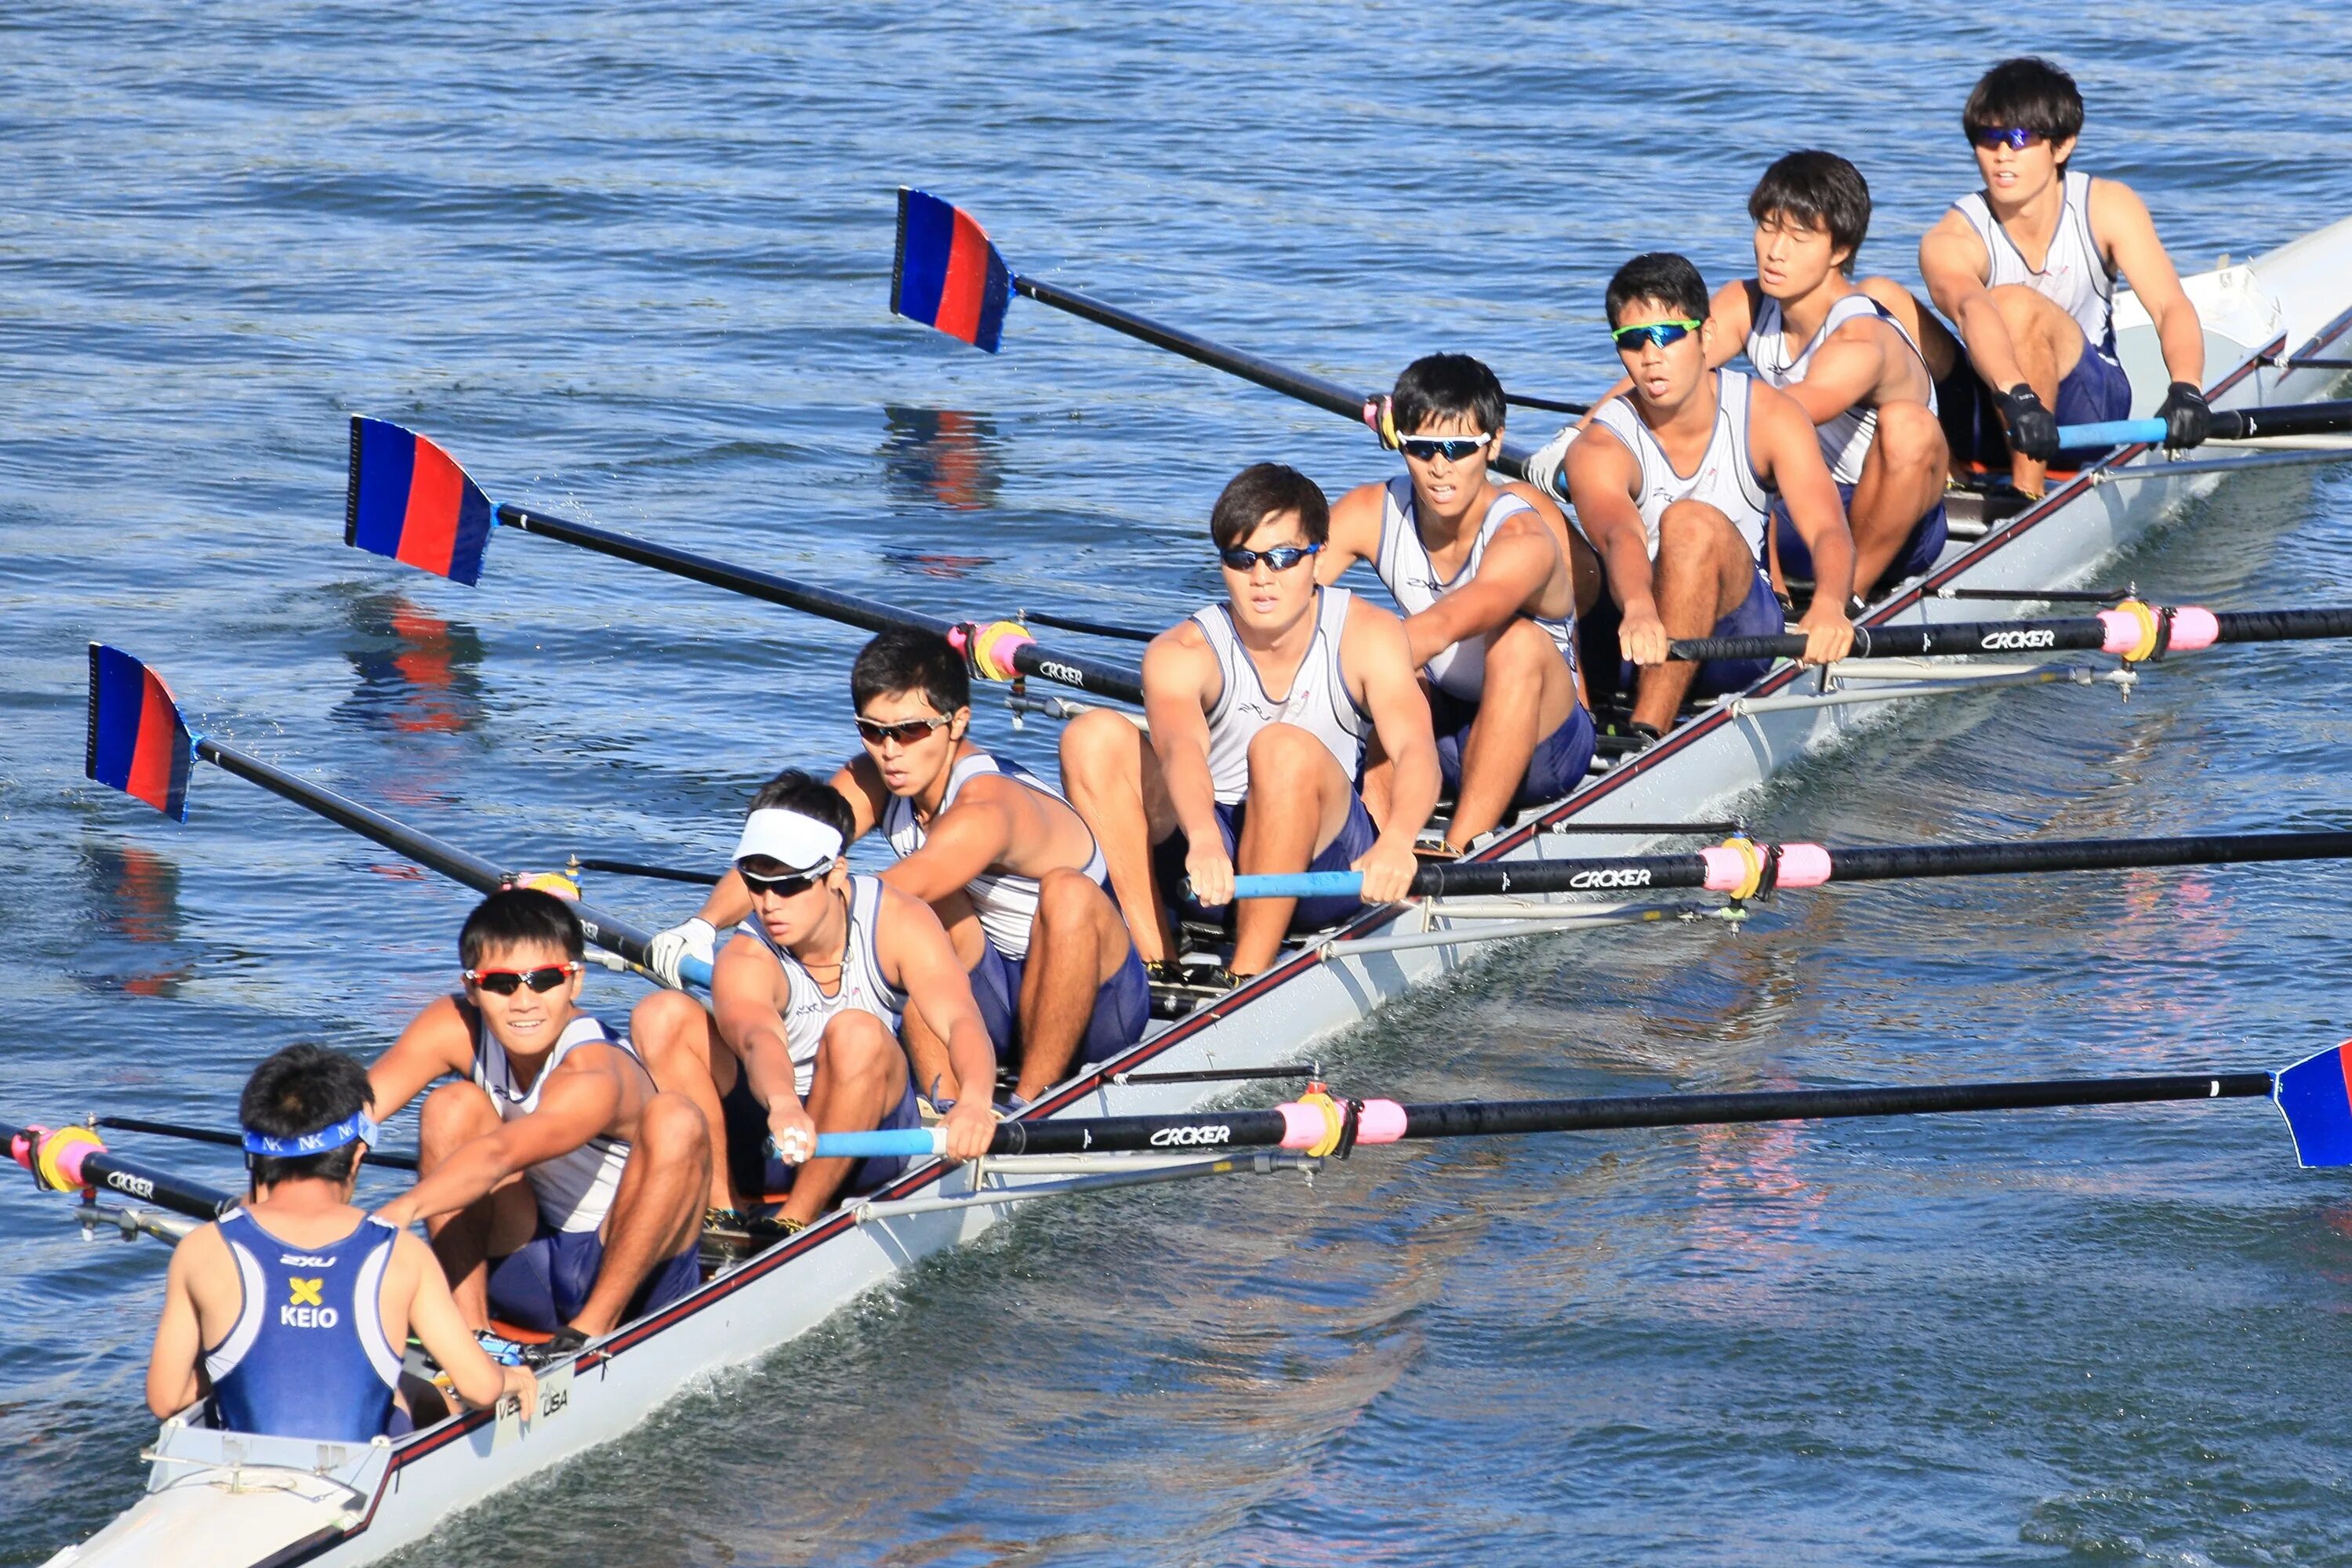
{"x":617,"y":936}
{"x":137,"y":1182}
{"x":2287,"y":419}
{"x":1062,"y":668}
{"x":2077,"y":633}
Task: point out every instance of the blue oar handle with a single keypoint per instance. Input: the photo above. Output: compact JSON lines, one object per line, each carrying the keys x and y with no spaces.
{"x":694,"y":971}
{"x":1300,"y":884}
{"x":2110,"y":432}
{"x":912,"y":1142}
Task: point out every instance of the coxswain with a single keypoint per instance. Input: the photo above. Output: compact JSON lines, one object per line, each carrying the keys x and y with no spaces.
{"x":1482,"y":572}
{"x":1232,"y":771}
{"x":560,"y":1185}
{"x":1005,"y":862}
{"x":2025,"y":268}
{"x":1849,"y":361}
{"x":802,"y":1035}
{"x":287,"y":1316}
{"x":1673,"y":482}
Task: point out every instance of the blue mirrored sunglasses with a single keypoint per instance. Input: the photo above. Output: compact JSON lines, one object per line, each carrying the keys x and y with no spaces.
{"x":2016,"y":138}
{"x":1659,"y":332}
{"x":1453,"y":448}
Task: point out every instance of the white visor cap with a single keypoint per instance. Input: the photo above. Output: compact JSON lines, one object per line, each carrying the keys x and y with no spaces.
{"x":800,"y":843}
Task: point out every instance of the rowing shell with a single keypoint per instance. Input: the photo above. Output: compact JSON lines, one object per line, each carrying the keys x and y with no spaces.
{"x":239,"y":1501}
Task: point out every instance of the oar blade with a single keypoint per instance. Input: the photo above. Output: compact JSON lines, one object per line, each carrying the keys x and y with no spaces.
{"x":2315,"y":1097}
{"x":138,"y":743}
{"x":947,"y":274}
{"x":410,"y":501}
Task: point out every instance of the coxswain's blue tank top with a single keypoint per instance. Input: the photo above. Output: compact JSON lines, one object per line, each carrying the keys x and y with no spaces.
{"x":308,"y":1356}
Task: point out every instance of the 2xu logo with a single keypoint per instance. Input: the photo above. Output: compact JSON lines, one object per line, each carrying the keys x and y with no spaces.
{"x":1997,"y":641}
{"x":1623,"y":878}
{"x":1189,"y":1137}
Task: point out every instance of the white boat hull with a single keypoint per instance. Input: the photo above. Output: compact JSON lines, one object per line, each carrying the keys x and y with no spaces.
{"x":289,"y":1503}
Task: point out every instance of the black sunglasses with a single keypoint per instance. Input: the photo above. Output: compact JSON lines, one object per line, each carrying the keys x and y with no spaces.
{"x":1453,"y":448}
{"x":791,"y":884}
{"x":507,"y":981}
{"x":905,"y":731}
{"x":1282,"y":557}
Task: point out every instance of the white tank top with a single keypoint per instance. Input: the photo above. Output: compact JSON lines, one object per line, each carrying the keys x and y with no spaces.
{"x":574,"y":1190}
{"x":1006,"y":902}
{"x":1319,"y":701}
{"x":1845,"y":439}
{"x":1403,"y":563}
{"x":1725,"y":478}
{"x":2074,"y":276}
{"x":807,"y":1008}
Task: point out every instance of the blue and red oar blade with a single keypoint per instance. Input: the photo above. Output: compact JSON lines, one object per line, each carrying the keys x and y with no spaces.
{"x":2315,"y":1097}
{"x":409,"y":500}
{"x":947,"y":275}
{"x":138,"y":741}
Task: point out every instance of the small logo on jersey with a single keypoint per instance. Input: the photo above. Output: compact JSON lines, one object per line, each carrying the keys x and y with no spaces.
{"x":305,"y":1260}
{"x":304,"y":1311}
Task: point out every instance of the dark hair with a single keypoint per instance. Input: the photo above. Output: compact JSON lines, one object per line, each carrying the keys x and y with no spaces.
{"x":1663,"y":276}
{"x":1447,"y":386}
{"x":794,"y":790}
{"x":303,"y":1088}
{"x":908,"y":659}
{"x":1262,"y":490}
{"x":1819,"y":190}
{"x":2027,"y":93}
{"x":514,"y":916}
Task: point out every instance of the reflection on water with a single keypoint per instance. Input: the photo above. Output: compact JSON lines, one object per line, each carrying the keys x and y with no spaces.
{"x":942,"y":457}
{"x":137,"y":894}
{"x":417,"y":672}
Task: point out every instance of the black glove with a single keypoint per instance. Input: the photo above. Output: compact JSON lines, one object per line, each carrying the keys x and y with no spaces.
{"x":2186,"y":420}
{"x":2033,"y":429}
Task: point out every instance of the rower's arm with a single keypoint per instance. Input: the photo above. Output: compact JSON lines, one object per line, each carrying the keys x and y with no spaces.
{"x":1516,"y":568}
{"x":580,"y":1098}
{"x":918,"y":958}
{"x":729,"y":905}
{"x":1374,"y":656}
{"x":1601,"y":475}
{"x":1845,"y":371}
{"x":1355,"y":533}
{"x":961,"y":842}
{"x":172,"y":1383}
{"x":1954,"y":264}
{"x":1177,"y":669}
{"x":434,"y":1319}
{"x":1783,"y":441}
{"x":744,"y":985}
{"x":859,"y":783}
{"x":2121,"y":224}
{"x":436,"y":1044}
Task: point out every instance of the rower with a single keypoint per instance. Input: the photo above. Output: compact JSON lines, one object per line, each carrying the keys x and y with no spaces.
{"x":560,"y":1186}
{"x":999,"y":854}
{"x":802,"y":1035}
{"x":2026,"y":269}
{"x":1234,"y":772}
{"x":1809,"y":330}
{"x":1483,"y":578}
{"x":1672,"y":481}
{"x":288,"y":1317}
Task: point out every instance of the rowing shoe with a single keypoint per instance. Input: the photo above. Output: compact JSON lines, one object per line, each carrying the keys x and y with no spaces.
{"x":1745,"y":870}
{"x":949,"y":276}
{"x":409,"y":501}
{"x":141,"y":744}
{"x":2311,"y":1095}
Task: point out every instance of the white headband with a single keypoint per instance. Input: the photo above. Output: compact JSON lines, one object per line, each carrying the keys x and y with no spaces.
{"x":790,"y":839}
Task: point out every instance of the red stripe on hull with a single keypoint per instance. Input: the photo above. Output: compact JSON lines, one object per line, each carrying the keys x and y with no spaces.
{"x":966,"y":284}
{"x":428,"y":530}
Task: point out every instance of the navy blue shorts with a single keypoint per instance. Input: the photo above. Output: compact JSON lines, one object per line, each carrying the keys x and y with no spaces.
{"x":756,"y":1174}
{"x":543,"y":1284}
{"x":1355,"y":837}
{"x":1122,"y":1005}
{"x":2096,"y":391}
{"x":1917,"y":555}
{"x":1557,"y":767}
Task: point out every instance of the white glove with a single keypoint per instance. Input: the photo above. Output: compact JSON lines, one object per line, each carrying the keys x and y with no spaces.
{"x":1543,"y":468}
{"x":668,"y":949}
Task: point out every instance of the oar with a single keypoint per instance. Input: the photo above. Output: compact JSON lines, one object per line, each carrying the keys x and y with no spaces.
{"x":391,"y":1159}
{"x":140,"y":744}
{"x":2135,"y":631}
{"x":410,"y":501}
{"x":2229,"y":425}
{"x":636,"y":869}
{"x":1745,"y":869}
{"x":947,"y":275}
{"x":70,"y":1159}
{"x":2311,"y":1094}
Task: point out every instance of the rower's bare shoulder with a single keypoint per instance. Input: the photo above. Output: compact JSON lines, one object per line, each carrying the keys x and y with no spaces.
{"x":2116,"y":212}
{"x":1371,"y":631}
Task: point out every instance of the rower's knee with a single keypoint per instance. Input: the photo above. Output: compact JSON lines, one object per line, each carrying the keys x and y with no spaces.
{"x":1067,"y":899}
{"x":1910,"y":436}
{"x":1521,"y":653}
{"x":670,"y":1130}
{"x":1098,"y":746}
{"x":452,"y":1114}
{"x":664,"y":1019}
{"x":1689,"y":522}
{"x":1281,"y":756}
{"x":856,"y":1047}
